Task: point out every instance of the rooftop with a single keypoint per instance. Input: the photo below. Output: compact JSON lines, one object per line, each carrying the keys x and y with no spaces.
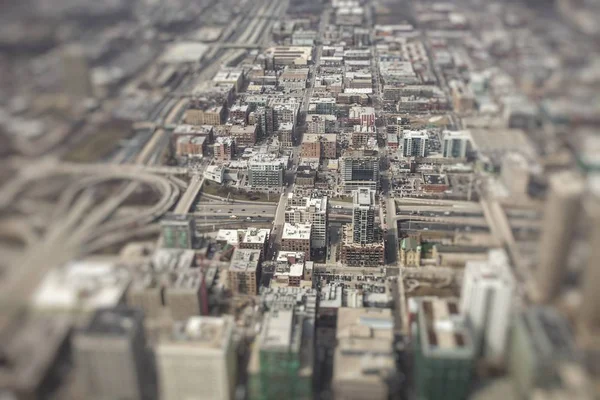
{"x":82,"y":286}
{"x":203,"y":332}
{"x":296,"y":231}
{"x":442,"y":328}
{"x":245,"y":260}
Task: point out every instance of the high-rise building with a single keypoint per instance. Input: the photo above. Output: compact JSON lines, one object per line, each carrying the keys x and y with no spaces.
{"x":244,"y":271}
{"x":35,"y":357}
{"x":364,"y":362}
{"x":360,"y":168}
{"x":282,"y":358}
{"x":414,"y":143}
{"x":78,"y":79}
{"x":456,"y":144}
{"x":177,"y":231}
{"x":313,"y":210}
{"x":110,"y":355}
{"x":560,"y":212}
{"x":198,"y":360}
{"x":543,"y":356}
{"x":363,"y":215}
{"x":486,"y":302}
{"x":444,"y":350}
{"x":590,"y":307}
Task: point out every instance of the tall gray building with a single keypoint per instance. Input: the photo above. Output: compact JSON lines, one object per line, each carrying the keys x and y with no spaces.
{"x":360,"y":168}
{"x":110,"y":355}
{"x":363,"y":216}
{"x":560,"y":213}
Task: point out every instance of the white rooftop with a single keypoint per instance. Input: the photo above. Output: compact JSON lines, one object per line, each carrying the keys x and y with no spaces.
{"x":81,"y":286}
{"x":296,"y":231}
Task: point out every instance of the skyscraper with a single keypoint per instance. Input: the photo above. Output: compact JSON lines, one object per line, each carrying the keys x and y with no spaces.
{"x":486,"y":302}
{"x":110,"y":355}
{"x":198,"y":360}
{"x":363,"y":215}
{"x":560,"y":213}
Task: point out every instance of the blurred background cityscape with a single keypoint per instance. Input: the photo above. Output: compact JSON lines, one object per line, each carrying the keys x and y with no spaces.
{"x":299,"y":199}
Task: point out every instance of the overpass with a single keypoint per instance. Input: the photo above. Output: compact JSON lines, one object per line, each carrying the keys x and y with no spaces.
{"x":188,"y":197}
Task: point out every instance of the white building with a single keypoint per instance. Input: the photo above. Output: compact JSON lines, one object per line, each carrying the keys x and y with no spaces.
{"x":311,"y":210}
{"x":198,"y":361}
{"x":215,"y":173}
{"x":487,"y":301}
{"x":456,"y":144}
{"x":414,"y":143}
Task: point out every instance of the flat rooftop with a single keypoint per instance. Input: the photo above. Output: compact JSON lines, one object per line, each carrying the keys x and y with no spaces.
{"x":202,"y":332}
{"x":245,"y":260}
{"x":296,"y":231}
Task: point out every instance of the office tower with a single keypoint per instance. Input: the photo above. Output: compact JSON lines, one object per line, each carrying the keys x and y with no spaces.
{"x":456,"y":144}
{"x":414,"y":143}
{"x":560,"y":214}
{"x":297,"y":237}
{"x":35,"y":356}
{"x":110,"y":355}
{"x":486,"y":302}
{"x":282,"y":358}
{"x":313,"y":210}
{"x":542,"y":355}
{"x":444,"y":351}
{"x":198,"y":360}
{"x":360,"y":168}
{"x":177,"y":231}
{"x":77,"y":72}
{"x":590,"y":307}
{"x":244,"y":271}
{"x":185,"y":295}
{"x":363,"y":216}
{"x":364,"y":362}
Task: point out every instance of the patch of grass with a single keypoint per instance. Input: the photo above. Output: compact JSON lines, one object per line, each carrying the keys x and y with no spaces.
{"x":214,"y":189}
{"x":100,"y":144}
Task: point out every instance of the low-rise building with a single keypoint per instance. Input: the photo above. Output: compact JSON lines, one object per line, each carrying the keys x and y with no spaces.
{"x":256,"y":238}
{"x":410,"y":252}
{"x":266,"y":171}
{"x":190,"y":146}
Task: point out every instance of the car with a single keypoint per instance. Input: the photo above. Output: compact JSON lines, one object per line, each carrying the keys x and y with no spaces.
{"x":337,"y":207}
{"x":243,"y":209}
{"x":219,"y":210}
